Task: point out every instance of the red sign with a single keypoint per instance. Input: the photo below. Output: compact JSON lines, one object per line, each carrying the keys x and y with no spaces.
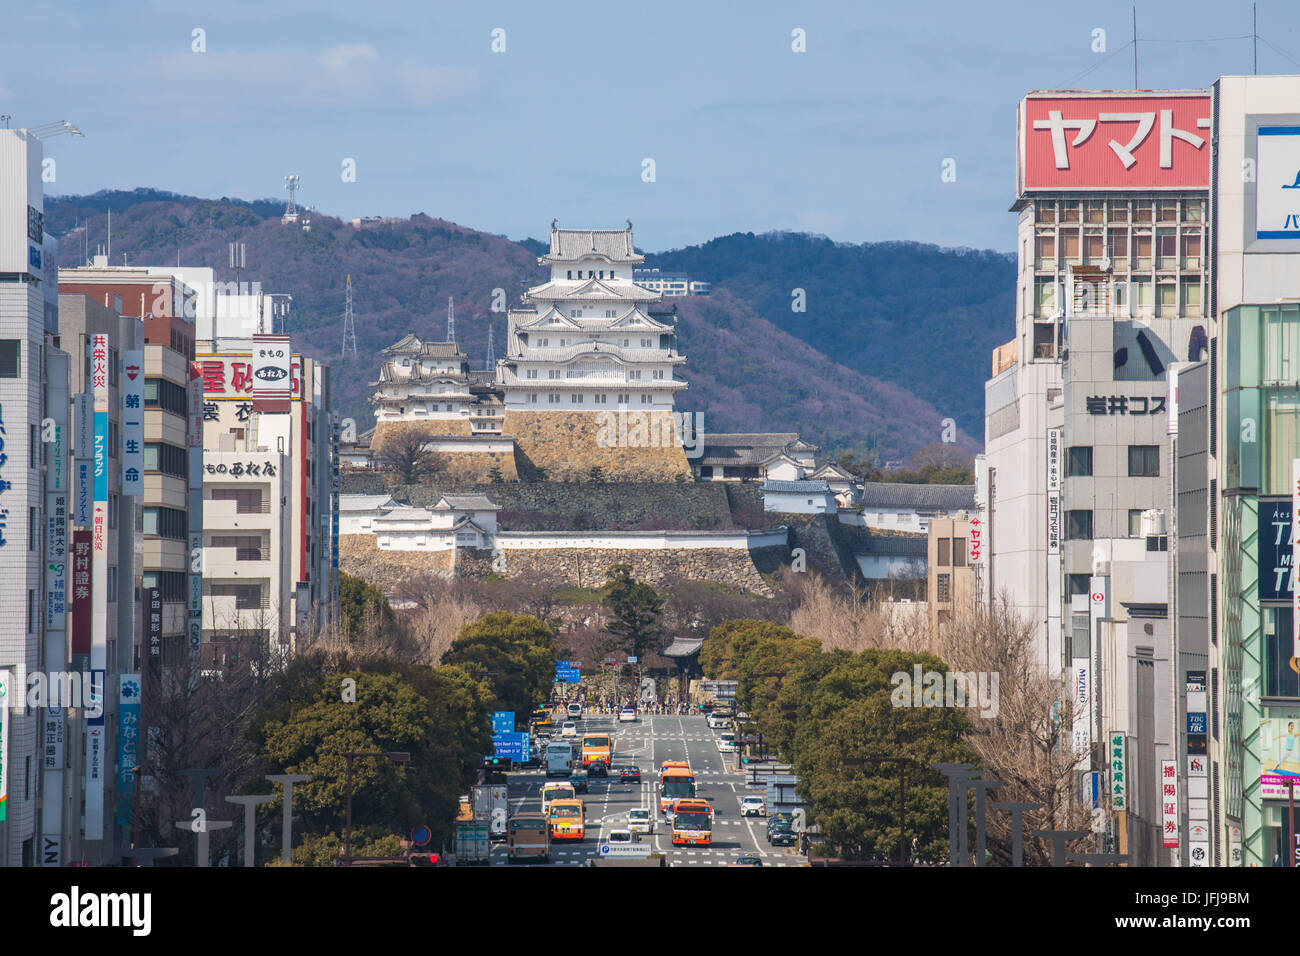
{"x":976,"y":546}
{"x":1086,"y":141}
{"x":81,"y":590}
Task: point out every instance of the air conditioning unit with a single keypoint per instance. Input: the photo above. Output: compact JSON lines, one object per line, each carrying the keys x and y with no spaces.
{"x":1153,"y":523}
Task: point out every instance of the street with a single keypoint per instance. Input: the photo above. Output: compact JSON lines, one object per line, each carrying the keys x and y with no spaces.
{"x":647,"y":743}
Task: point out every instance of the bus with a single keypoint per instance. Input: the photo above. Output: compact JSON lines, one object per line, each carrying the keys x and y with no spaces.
{"x":556,"y":791}
{"x":675,"y":783}
{"x":558,"y":759}
{"x":528,"y":837}
{"x":670,"y":764}
{"x":565,"y":819}
{"x":597,"y":748}
{"x":692,"y":823}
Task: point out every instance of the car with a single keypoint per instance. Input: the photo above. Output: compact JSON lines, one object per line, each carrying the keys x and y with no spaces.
{"x":727,"y":744}
{"x":619,"y":836}
{"x":598,"y":768}
{"x":569,"y":729}
{"x":581,"y":781}
{"x":718,"y":722}
{"x":629,"y":774}
{"x":779,"y":819}
{"x":640,"y":820}
{"x":748,"y":859}
{"x":753,"y":807}
{"x":627,"y":715}
{"x":575,"y":711}
{"x":782,"y":836}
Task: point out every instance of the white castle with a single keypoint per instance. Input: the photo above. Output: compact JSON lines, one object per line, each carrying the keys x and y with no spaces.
{"x":591,"y":341}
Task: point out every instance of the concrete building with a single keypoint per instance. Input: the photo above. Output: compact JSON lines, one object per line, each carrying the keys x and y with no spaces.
{"x":1249,"y":708}
{"x":950,"y":574}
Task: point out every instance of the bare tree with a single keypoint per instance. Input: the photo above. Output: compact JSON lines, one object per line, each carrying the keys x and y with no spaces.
{"x":404,"y":452}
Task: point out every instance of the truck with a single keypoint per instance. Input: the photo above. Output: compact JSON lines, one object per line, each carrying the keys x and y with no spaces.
{"x":491,"y":806}
{"x":473,"y":845}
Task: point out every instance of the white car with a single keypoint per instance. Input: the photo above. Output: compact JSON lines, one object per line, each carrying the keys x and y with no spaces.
{"x":753,"y":807}
{"x":727,"y":744}
{"x":569,"y":729}
{"x":640,"y":820}
{"x":627,"y":715}
{"x":717,"y":721}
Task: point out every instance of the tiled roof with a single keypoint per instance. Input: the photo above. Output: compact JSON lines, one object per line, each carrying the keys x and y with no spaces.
{"x":571,"y":244}
{"x":593,"y":290}
{"x":740,"y":449}
{"x":798,"y":487}
{"x":913,"y":547}
{"x":887,"y":494}
{"x":365,"y":502}
{"x":465,"y":503}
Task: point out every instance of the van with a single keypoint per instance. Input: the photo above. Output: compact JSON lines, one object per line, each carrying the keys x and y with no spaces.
{"x":558,"y":759}
{"x":575,"y":711}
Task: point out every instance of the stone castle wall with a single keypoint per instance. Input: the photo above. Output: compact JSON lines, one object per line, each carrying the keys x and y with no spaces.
{"x":391,"y":570}
{"x":565,"y":446}
{"x":385,"y":430}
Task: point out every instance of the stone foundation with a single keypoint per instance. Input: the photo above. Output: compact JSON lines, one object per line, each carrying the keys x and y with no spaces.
{"x":586,"y":567}
{"x":476,"y":467}
{"x":431,"y":427}
{"x":564,"y":446}
{"x":390,"y":570}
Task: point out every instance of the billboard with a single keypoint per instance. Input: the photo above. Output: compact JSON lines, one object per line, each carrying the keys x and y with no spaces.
{"x":1113,"y":140}
{"x":228,"y":376}
{"x":81,"y":591}
{"x":272,"y":373}
{"x":1169,"y":803}
{"x":99,"y":511}
{"x":1277,"y":189}
{"x":1279,"y":748}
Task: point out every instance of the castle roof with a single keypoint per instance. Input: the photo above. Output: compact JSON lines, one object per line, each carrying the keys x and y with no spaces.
{"x":569,"y":245}
{"x":891,"y":494}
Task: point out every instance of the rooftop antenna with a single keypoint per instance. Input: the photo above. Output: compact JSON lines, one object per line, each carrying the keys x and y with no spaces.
{"x":1254,"y":34}
{"x":236,"y":260}
{"x":109,"y":254}
{"x":349,"y":323}
{"x":291,"y":208}
{"x":451,"y":319}
{"x":491,"y":351}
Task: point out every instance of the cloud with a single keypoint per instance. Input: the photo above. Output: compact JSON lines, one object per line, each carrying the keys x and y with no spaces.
{"x":341,"y":57}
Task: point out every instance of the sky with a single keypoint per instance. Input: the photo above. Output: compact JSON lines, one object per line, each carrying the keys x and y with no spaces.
{"x":505,"y":115}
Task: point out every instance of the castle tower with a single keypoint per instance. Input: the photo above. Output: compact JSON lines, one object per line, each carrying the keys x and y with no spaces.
{"x":591,"y":348}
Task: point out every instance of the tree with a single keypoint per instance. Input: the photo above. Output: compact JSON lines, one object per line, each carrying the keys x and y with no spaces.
{"x":511,"y":655}
{"x":357,"y":600}
{"x":636,"y":610}
{"x":842,"y":716}
{"x":403,"y":453}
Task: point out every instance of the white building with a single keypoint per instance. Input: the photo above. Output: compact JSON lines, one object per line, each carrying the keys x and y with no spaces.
{"x":799,"y":497}
{"x":432,"y":382}
{"x":590,"y":343}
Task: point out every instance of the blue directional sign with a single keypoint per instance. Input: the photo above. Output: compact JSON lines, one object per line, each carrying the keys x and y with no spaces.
{"x":503,"y":722}
{"x":513,"y":746}
{"x":568,"y":672}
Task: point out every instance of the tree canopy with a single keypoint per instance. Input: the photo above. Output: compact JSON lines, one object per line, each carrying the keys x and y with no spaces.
{"x":637,"y":611}
{"x":362,"y":604}
{"x":512,"y":655}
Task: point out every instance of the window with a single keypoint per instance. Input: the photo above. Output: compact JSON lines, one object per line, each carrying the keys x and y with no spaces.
{"x":1076,"y":584}
{"x":1078,"y":461}
{"x":945,"y":558}
{"x":1144,"y":461}
{"x":553,"y":398}
{"x":32,"y":524}
{"x":165,"y":458}
{"x":530,"y":373}
{"x":959,"y":552}
{"x":1092,"y":247}
{"x":33,"y":447}
{"x":1078,"y":525}
{"x":248,"y":597}
{"x":943,"y":587}
{"x":112,"y":366}
{"x":1117,"y":244}
{"x":634,"y":375}
{"x":248,"y":547}
{"x":10,"y":355}
{"x":645,"y":399}
{"x":112,"y":439}
{"x":1045,"y":249}
{"x":646,"y":343}
{"x":569,"y":275}
{"x":1135,"y":522}
{"x":532,"y":398}
{"x":248,"y":501}
{"x":600,"y":399}
{"x":1191,"y":250}
{"x":658,"y":373}
{"x":165,"y":522}
{"x":1045,"y":210}
{"x":172,"y":584}
{"x":552,"y":373}
{"x":160,"y":393}
{"x":31,"y":603}
{"x":1069,"y":243}
{"x":575,"y":399}
{"x":112,"y":511}
{"x":624,"y":398}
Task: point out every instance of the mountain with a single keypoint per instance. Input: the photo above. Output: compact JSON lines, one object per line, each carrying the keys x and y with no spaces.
{"x":917,"y":316}
{"x":849,"y":374}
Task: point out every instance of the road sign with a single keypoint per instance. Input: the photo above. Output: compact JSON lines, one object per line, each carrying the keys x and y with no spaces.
{"x":503,"y":722}
{"x":421,"y":836}
{"x":513,"y":746}
{"x":568,"y":672}
{"x":631,"y":660}
{"x":626,"y":849}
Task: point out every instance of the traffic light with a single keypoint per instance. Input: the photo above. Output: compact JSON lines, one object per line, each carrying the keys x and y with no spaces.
{"x":424,"y":859}
{"x":496,"y":763}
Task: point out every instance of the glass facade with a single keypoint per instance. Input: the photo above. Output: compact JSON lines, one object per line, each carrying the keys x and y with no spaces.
{"x":1261,"y":384}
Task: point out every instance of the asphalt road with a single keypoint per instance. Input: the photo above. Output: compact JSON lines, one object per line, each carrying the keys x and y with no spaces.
{"x":647,"y":743}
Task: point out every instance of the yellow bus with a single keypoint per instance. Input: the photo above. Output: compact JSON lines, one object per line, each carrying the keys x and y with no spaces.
{"x":597,"y":748}
{"x":566,"y":820}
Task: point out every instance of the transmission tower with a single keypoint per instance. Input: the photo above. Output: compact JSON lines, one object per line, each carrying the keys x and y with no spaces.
{"x":451,"y":319}
{"x":349,"y":324}
{"x":491,"y":352}
{"x":291,"y":210}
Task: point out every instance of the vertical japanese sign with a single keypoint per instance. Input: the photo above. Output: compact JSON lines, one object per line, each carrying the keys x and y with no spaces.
{"x":1118,"y":773}
{"x":1054,"y":491}
{"x":56,"y":600}
{"x":81,"y":592}
{"x":99,"y":516}
{"x":195,"y":518}
{"x":1169,"y":802}
{"x":132,"y":390}
{"x":94,"y":814}
{"x":5,"y":690}
{"x":976,"y":537}
{"x":83,"y":443}
{"x":154,"y":619}
{"x":128,"y":745}
{"x":272,"y":381}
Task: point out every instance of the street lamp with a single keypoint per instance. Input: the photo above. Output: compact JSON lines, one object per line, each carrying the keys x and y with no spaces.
{"x":396,"y":756}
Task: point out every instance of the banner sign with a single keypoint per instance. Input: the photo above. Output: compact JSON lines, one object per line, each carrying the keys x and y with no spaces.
{"x":228,"y":376}
{"x":132,"y":391}
{"x":1277,"y":214}
{"x":5,"y":690}
{"x":128,"y":745}
{"x":56,"y":568}
{"x":94,"y":812}
{"x":99,"y":517}
{"x":272,"y":373}
{"x":155,"y":621}
{"x":81,"y":591}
